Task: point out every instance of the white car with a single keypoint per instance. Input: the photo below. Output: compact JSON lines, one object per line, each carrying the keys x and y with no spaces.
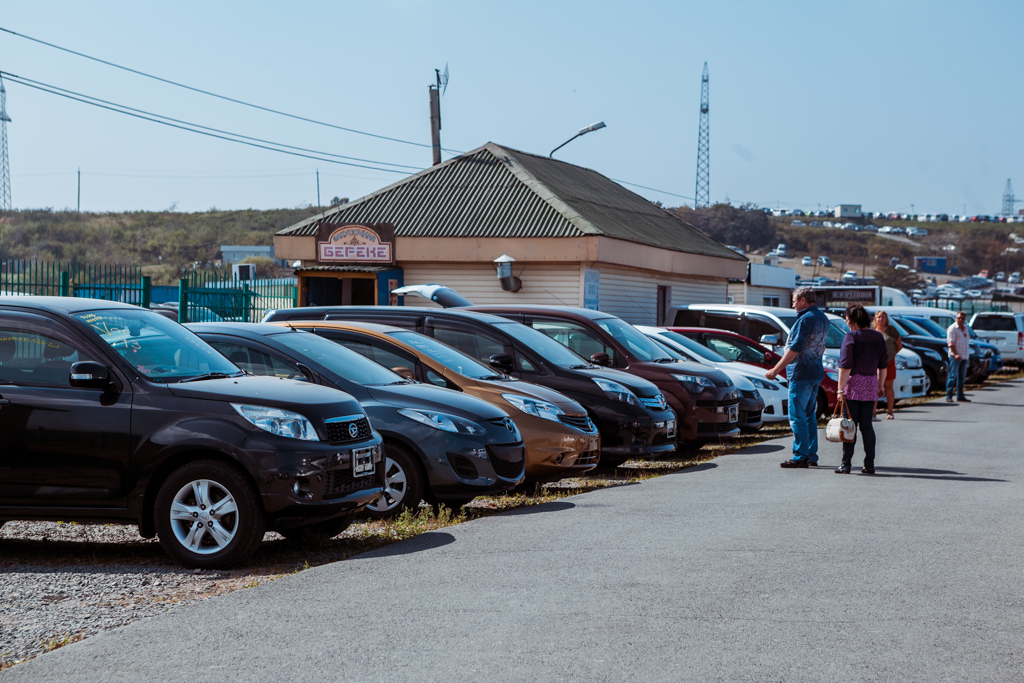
{"x":775,"y":393}
{"x":806,"y":261}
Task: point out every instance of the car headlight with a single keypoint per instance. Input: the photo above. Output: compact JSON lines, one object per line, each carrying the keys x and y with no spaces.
{"x":695,"y":380}
{"x":834,"y":376}
{"x":763,"y":384}
{"x":830,"y":362}
{"x":442,"y":421}
{"x":531,"y":406}
{"x":901,"y":364}
{"x":277,"y":421}
{"x":931,"y":353}
{"x":616,"y":391}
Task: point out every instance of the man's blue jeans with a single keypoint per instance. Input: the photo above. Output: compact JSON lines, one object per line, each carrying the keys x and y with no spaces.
{"x":803,"y":402}
{"x":957,"y":377}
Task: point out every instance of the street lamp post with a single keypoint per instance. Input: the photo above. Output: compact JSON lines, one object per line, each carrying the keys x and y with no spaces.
{"x":583,"y":131}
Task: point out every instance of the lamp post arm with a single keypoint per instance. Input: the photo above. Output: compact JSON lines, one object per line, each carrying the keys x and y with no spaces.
{"x":564,"y":144}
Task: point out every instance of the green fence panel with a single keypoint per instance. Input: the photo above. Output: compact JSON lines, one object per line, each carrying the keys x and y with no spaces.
{"x":209,"y":296}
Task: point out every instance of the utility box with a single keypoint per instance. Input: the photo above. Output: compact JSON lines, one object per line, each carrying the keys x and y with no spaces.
{"x":244,"y":272}
{"x":930,"y":264}
{"x":848,"y":211}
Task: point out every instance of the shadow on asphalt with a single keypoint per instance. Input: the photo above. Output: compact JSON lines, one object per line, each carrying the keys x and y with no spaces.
{"x":555,"y":506}
{"x":417,"y":544}
{"x":917,"y":473}
{"x":763,"y":448}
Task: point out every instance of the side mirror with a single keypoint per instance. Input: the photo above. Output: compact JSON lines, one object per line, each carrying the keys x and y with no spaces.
{"x":601,"y":358}
{"x":502,"y":362}
{"x":87,"y":374}
{"x":404,"y":372}
{"x":767,"y":356}
{"x":769,"y":340}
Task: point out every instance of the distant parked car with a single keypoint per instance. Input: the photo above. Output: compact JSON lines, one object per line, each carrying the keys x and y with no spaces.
{"x":1000,"y":276}
{"x":825,"y":261}
{"x":850,"y":274}
{"x":1014,"y":278}
{"x":816,"y":224}
{"x":983,"y":273}
{"x":780,"y":250}
{"x":798,"y":223}
{"x":806,"y":261}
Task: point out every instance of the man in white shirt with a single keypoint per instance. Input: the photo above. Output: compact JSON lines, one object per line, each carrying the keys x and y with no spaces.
{"x":958,"y":339}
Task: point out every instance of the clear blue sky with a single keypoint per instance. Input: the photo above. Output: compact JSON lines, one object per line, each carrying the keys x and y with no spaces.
{"x":885,"y":103}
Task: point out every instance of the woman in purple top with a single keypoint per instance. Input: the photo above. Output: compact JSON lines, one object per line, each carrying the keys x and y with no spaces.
{"x":862,"y":369}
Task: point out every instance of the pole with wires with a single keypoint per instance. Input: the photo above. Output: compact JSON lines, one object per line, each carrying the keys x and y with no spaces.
{"x":318,"y":204}
{"x":5,"y":167}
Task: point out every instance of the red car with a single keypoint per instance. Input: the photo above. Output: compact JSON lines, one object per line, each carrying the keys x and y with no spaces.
{"x":739,"y":348}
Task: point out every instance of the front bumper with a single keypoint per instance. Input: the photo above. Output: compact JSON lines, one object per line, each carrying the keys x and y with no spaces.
{"x":555,"y":450}
{"x":751,"y":411}
{"x":909,"y":383}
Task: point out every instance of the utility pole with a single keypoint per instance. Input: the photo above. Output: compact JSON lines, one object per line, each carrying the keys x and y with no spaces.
{"x":79,"y":189}
{"x":702,"y":193}
{"x":5,"y":168}
{"x":318,"y":205}
{"x":1008,"y":199}
{"x":435,"y":123}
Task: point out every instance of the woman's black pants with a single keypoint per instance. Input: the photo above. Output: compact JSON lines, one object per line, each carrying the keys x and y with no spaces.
{"x":861,"y":412}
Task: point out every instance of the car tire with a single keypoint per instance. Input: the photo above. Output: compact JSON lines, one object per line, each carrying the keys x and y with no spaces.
{"x":209,"y":515}
{"x":404,"y":484}
{"x":319,"y":532}
{"x":822,"y":404}
{"x":930,"y":381}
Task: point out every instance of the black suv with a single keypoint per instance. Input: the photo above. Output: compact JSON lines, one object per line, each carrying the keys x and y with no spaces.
{"x":631,"y":413}
{"x":112,"y":413}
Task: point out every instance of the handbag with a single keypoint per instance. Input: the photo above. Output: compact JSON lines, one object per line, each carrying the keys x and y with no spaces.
{"x":841,"y":427}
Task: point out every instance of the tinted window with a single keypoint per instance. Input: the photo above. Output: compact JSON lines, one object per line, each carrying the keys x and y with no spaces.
{"x":994,"y":323}
{"x":693,"y":347}
{"x":256,"y":362}
{"x":759,"y":327}
{"x":470,"y":343}
{"x":341,"y":361}
{"x":542,"y":345}
{"x":934,"y":329}
{"x":735,"y":349}
{"x":160,"y":349}
{"x":633,"y":339}
{"x":387,"y":356}
{"x":29,"y":357}
{"x":446,"y":355}
{"x":574,"y":336}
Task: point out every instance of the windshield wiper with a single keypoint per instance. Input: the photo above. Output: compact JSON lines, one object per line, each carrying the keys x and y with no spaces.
{"x":210,"y":375}
{"x":494,"y":378}
{"x":581,"y":367}
{"x":665,"y":360}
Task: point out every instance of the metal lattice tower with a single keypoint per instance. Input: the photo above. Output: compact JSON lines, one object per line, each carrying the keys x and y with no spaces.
{"x":5,"y":166}
{"x":1008,"y":199}
{"x":702,"y":194}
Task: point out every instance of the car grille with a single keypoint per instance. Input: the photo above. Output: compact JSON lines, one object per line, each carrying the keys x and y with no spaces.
{"x":723,"y":383}
{"x":750,"y":394}
{"x":581,"y":422}
{"x":715,"y":404}
{"x":463,"y":466}
{"x":339,"y":483}
{"x":339,"y":428}
{"x":587,"y":459}
{"x":715,"y":427}
{"x":662,"y":438}
{"x":749,"y":417}
{"x":656,"y":403}
{"x":508,"y":461}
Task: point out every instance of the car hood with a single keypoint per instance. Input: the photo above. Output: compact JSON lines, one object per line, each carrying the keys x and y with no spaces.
{"x":270,"y":391}
{"x":637,"y":385}
{"x":439,"y":399}
{"x":536,"y":391}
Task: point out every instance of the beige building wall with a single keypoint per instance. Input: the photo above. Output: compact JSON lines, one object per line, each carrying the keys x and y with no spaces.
{"x":744,"y":293}
{"x":543,"y":283}
{"x":632,"y":294}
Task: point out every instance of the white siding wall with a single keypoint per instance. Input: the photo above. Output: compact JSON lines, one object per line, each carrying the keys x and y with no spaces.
{"x":633,"y":294}
{"x":548,"y":283}
{"x":747,"y":294}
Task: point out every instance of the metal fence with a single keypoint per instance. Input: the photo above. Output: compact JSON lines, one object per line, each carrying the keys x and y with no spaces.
{"x":208,"y":296}
{"x":67,"y":278}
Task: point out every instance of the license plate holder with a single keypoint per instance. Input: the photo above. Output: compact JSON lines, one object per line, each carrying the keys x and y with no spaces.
{"x":362,"y":462}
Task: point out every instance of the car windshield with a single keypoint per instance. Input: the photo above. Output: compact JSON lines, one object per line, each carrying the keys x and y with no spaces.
{"x":901,"y":326}
{"x":343,"y":362}
{"x":159,"y":348}
{"x":633,"y":339}
{"x":934,"y":329}
{"x":910,"y":325}
{"x":836,"y":332}
{"x":447,"y":356}
{"x":543,"y":345}
{"x":693,"y":347}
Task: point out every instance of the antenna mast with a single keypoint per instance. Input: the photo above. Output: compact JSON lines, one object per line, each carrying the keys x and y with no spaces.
{"x":5,"y":166}
{"x":1008,"y":198}
{"x":702,"y":194}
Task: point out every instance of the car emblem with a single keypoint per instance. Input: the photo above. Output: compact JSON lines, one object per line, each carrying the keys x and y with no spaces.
{"x":508,"y":425}
{"x":353,"y":430}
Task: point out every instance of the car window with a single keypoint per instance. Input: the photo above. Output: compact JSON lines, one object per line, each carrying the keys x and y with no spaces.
{"x":472,"y":344}
{"x":759,"y":327}
{"x":447,"y":356}
{"x":543,"y":345}
{"x":343,"y":362}
{"x":574,"y":336}
{"x":723,"y":321}
{"x":256,"y":362}
{"x":995,"y":323}
{"x":735,"y":349}
{"x":693,"y":347}
{"x":933,"y":328}
{"x":639,"y":344}
{"x":388,"y":356}
{"x":160,"y":349}
{"x":32,"y":357}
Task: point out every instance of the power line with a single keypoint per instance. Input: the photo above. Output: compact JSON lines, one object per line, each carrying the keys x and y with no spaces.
{"x":193,"y":128}
{"x":653,"y":189}
{"x":213,"y":94}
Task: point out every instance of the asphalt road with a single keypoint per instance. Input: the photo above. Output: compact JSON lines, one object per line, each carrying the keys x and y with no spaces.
{"x":736,"y":570}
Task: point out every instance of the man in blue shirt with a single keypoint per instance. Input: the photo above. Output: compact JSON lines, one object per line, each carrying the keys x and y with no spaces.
{"x":802,"y":362}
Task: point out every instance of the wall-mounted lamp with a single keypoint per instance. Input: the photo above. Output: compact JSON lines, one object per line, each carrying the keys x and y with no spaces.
{"x":509,"y":282}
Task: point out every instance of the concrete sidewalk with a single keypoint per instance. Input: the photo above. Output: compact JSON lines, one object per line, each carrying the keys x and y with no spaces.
{"x":736,"y":570}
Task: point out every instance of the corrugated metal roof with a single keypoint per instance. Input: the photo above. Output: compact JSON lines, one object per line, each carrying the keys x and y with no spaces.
{"x":496,"y":191}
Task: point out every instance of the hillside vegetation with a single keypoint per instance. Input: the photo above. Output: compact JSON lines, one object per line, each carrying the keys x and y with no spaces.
{"x":164,"y":241}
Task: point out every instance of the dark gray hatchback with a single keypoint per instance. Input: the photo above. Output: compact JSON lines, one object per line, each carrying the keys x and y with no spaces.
{"x":112,"y":413}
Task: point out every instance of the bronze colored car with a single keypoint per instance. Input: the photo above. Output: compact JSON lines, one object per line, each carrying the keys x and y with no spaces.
{"x":561,"y":441}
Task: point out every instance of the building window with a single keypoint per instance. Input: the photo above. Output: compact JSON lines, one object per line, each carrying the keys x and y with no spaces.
{"x":770,"y":301}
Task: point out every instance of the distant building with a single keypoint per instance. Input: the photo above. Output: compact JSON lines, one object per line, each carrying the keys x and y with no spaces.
{"x":848,"y":211}
{"x":236,"y":253}
{"x":766,"y":284}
